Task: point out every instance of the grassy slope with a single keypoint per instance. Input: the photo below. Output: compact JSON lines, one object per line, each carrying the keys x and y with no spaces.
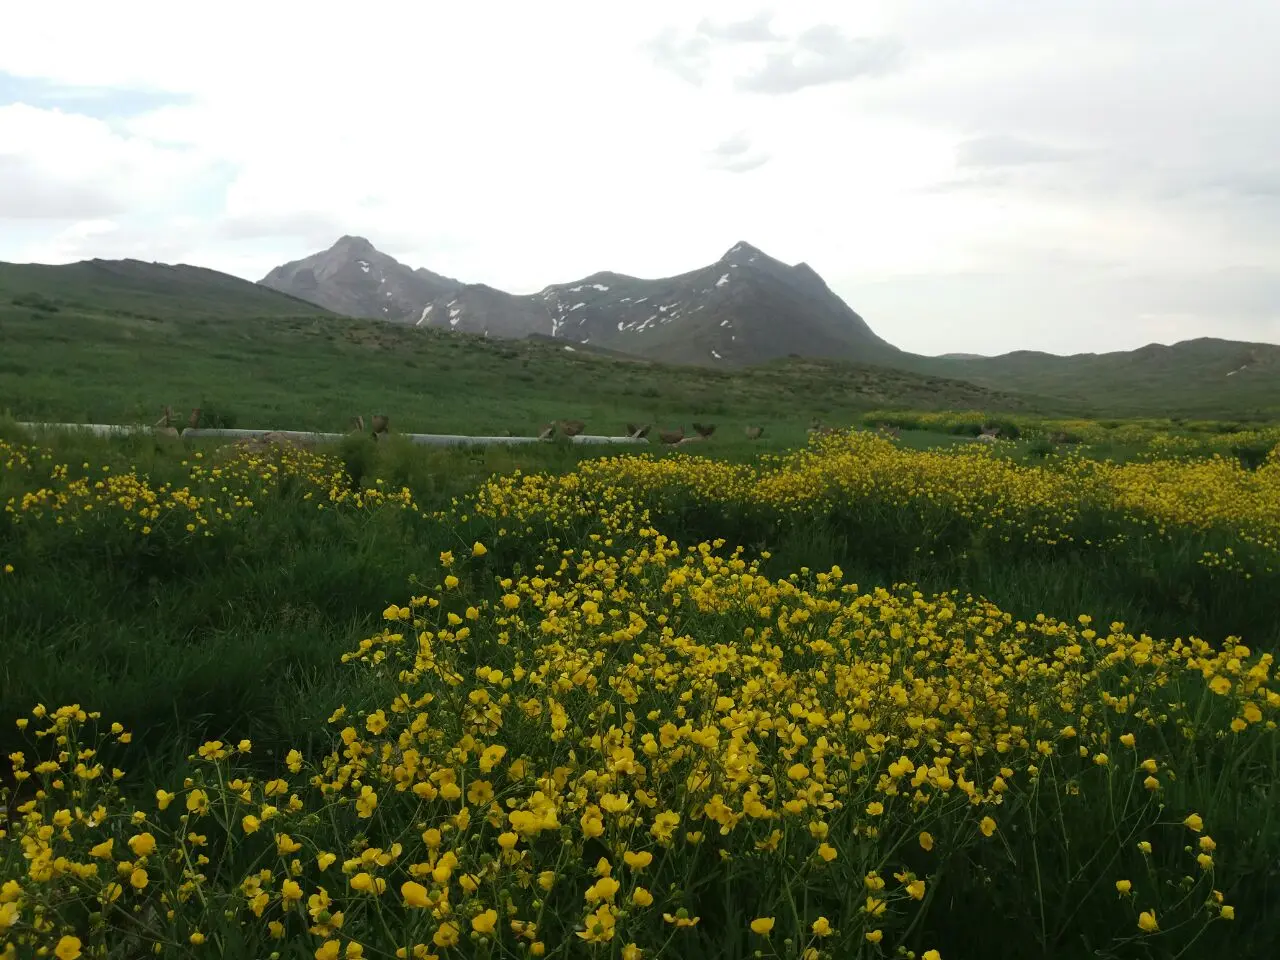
{"x":147,"y":289}
{"x":317,"y":372}
{"x":1192,"y":378}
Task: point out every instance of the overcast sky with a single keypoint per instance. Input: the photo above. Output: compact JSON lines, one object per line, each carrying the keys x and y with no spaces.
{"x":970,"y":176}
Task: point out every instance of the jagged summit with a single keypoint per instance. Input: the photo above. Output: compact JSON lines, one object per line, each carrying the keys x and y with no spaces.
{"x":742,"y":251}
{"x":353,"y":246}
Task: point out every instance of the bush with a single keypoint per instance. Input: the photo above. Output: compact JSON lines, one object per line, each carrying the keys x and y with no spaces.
{"x":36,"y":301}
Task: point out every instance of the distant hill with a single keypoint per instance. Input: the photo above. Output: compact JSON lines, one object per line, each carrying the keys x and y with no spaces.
{"x":743,"y":309}
{"x":1202,"y":377}
{"x":150,"y":289}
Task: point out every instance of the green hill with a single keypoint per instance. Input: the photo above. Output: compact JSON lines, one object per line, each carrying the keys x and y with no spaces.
{"x":1206,"y":377}
{"x":112,"y":347}
{"x":144,"y":289}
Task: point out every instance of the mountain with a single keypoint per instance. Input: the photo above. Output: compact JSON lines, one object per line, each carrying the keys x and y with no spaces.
{"x":743,"y":309}
{"x":748,"y":308}
{"x":355,"y":279}
{"x":142,"y":289}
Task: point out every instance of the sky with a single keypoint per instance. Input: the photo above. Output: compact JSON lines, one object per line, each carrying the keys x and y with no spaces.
{"x":992,"y":175}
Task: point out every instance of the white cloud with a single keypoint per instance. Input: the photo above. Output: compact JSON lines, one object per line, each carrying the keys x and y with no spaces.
{"x":59,"y":166}
{"x":1001,"y":173}
{"x":737,"y":154}
{"x":68,"y":243}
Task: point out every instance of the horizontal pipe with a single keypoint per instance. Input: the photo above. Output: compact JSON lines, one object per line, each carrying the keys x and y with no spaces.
{"x":232,"y":433}
{"x":448,"y":439}
{"x":303,"y":436}
{"x":98,"y":429}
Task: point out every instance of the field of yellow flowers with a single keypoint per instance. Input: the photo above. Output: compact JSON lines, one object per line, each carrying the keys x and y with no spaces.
{"x":565,"y":722}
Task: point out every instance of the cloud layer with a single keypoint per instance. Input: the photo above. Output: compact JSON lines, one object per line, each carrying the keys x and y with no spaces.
{"x":979,"y":177}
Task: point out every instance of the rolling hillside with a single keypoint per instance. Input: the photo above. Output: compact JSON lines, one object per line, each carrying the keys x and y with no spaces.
{"x":144,"y":289}
{"x":1203,"y":377}
{"x":107,"y":339}
{"x":105,"y":365}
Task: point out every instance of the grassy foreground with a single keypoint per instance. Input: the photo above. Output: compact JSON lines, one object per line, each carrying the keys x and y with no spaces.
{"x":81,"y":364}
{"x":387,"y":702}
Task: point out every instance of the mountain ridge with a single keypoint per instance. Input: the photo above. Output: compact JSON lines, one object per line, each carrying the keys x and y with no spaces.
{"x":745,"y":307}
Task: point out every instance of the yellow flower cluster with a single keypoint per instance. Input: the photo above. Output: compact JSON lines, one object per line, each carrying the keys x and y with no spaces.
{"x":232,"y":486}
{"x":1072,"y":500}
{"x":632,"y":741}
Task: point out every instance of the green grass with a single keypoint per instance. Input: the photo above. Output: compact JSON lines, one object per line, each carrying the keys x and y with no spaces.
{"x":131,"y":289}
{"x":237,"y":635}
{"x":1206,"y":377}
{"x":317,"y":373}
{"x":123,"y":636}
{"x":240,"y":634}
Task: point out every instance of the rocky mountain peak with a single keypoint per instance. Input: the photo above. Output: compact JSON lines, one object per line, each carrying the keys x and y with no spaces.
{"x":353,"y":247}
{"x":354,"y":278}
{"x":742,"y":252}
